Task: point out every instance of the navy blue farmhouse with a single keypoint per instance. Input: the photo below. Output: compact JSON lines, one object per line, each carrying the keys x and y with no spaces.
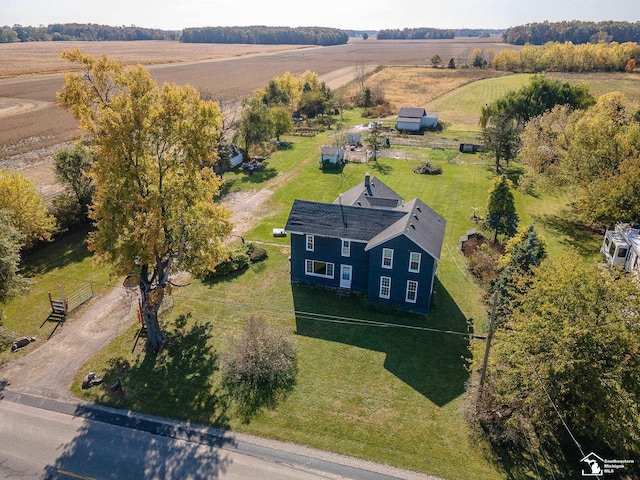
{"x":369,"y":241}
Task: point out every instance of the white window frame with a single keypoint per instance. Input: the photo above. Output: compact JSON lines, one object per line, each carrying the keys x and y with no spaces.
{"x":386,"y":251}
{"x":310,"y":243}
{"x":345,"y":249}
{"x":310,"y":269}
{"x":385,"y":284}
{"x":412,"y":288}
{"x":418,"y":261}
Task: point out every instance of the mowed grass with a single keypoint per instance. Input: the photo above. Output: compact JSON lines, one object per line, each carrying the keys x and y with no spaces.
{"x":462,"y":107}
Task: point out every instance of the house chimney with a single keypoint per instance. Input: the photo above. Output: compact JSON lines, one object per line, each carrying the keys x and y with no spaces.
{"x":367,"y":184}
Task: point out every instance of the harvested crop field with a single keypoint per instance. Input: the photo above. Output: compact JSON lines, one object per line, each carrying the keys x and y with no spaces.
{"x":44,"y":57}
{"x":32,"y":127}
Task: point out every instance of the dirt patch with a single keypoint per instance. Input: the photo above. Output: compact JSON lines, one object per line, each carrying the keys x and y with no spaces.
{"x":49,"y":370}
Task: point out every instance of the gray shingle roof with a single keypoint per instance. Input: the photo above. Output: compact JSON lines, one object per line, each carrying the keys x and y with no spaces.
{"x":412,"y":112}
{"x":420,"y":223}
{"x":374,"y":214}
{"x":377,"y":195}
{"x":339,"y":221}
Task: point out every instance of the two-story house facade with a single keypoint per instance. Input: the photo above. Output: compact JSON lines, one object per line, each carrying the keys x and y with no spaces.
{"x":368,"y":241}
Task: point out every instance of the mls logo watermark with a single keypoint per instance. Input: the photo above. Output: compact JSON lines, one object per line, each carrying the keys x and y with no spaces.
{"x":595,"y":466}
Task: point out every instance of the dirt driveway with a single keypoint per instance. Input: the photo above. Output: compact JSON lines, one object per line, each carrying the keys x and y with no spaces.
{"x":50,"y":368}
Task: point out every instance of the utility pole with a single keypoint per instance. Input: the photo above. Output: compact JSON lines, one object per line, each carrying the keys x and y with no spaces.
{"x":492,"y":320}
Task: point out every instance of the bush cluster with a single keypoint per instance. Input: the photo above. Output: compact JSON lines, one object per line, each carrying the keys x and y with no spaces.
{"x":428,"y":169}
{"x":237,"y":259}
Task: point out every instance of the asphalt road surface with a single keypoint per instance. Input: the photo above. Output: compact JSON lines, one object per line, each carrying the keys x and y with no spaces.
{"x":45,"y":439}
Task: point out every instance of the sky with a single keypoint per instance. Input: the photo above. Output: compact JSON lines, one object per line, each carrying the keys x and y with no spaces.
{"x":348,"y":15}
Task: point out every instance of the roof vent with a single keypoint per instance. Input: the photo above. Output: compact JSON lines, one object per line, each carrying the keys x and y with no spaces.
{"x":412,"y":226}
{"x":415,"y":216}
{"x":418,"y":208}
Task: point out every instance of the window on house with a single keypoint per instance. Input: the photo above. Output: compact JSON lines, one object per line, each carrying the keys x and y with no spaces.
{"x":412,"y":291}
{"x":316,"y":268}
{"x":387,"y":258}
{"x":622,"y":252}
{"x":310,"y":243}
{"x":414,"y":262}
{"x":385,"y":287}
{"x":346,"y":248}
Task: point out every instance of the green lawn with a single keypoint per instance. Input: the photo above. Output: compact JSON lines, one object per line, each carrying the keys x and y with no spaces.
{"x":390,"y":394}
{"x":461,"y":107}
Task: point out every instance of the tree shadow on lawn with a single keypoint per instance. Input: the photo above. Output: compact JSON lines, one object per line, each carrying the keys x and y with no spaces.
{"x":65,"y":250}
{"x":259,"y":175}
{"x":177,"y":382}
{"x":381,"y":168}
{"x":432,"y":363}
{"x":573,"y":233}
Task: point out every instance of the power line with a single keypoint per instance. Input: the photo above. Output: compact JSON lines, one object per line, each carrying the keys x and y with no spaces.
{"x":320,"y":317}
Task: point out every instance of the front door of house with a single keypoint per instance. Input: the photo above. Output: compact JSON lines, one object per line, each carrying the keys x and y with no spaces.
{"x":345,"y":276}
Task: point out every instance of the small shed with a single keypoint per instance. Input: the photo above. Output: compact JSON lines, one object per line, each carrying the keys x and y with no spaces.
{"x":354,"y":139}
{"x":332,"y":155}
{"x":470,"y":148}
{"x":411,"y":119}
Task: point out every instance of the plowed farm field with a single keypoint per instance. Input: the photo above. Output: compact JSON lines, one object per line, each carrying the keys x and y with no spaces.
{"x":32,"y":127}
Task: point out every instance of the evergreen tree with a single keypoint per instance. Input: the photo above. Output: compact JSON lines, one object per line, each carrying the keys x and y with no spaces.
{"x":523,"y":252}
{"x":501,"y":218}
{"x":501,"y":139}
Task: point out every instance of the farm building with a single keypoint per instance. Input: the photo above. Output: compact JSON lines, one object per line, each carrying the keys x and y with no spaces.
{"x":354,"y":139}
{"x":369,"y":241}
{"x":331,"y":155}
{"x":415,"y":119}
{"x":621,"y":247}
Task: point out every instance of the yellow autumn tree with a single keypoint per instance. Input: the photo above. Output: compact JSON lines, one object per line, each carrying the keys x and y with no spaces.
{"x":25,"y":208}
{"x":154,"y":204}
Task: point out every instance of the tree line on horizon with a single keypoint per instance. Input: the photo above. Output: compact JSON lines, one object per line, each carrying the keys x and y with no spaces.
{"x":575,"y":31}
{"x":86,"y":32}
{"x":422,"y":33}
{"x":266,"y":35}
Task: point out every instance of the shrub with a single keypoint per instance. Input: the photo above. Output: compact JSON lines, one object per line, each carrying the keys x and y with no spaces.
{"x":482,"y":263}
{"x":428,"y":169}
{"x":68,"y":212}
{"x":256,"y":254}
{"x":259,"y":367}
{"x":236,"y":260}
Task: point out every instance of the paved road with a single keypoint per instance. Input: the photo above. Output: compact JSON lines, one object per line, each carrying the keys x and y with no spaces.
{"x":41,"y":438}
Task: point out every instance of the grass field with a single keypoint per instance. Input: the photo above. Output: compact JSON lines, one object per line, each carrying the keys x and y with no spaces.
{"x":387,"y":394}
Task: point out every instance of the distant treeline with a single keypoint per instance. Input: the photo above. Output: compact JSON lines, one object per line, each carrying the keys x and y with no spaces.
{"x":82,"y":32}
{"x":415,"y":34}
{"x":266,"y":35}
{"x":477,"y":32}
{"x":576,"y":32}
